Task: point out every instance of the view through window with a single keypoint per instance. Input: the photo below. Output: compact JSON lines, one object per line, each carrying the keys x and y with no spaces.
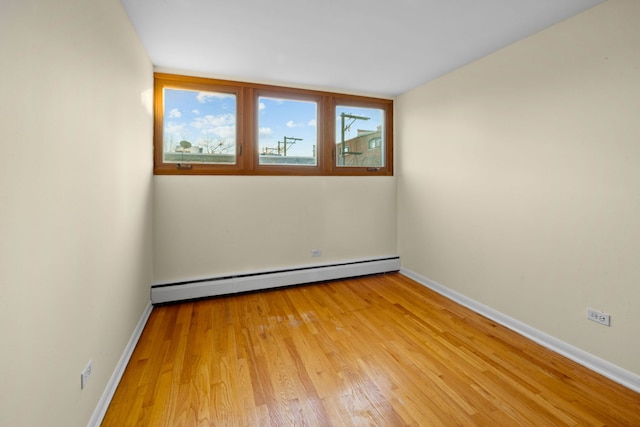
{"x":359,"y":135}
{"x":287,"y":131}
{"x":199,"y":127}
{"x":207,"y":126}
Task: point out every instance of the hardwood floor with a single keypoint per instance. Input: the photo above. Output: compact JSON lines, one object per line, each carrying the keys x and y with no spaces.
{"x":380,"y":350}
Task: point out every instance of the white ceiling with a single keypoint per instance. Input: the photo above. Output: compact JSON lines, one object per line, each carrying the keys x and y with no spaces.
{"x":382,"y":47}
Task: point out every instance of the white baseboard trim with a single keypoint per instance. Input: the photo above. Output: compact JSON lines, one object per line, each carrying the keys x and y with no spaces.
{"x":207,"y":287}
{"x":112,"y":385}
{"x":601,"y":366}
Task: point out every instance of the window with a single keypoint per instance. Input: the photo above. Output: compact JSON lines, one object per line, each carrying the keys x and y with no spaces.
{"x":205,"y":126}
{"x":375,"y":142}
{"x":287,"y":131}
{"x":355,"y":128}
{"x":199,"y":127}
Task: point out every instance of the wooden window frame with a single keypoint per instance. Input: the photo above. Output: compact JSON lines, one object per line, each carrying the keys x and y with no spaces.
{"x":247,"y":147}
{"x":294,"y":95}
{"x":387,"y":137}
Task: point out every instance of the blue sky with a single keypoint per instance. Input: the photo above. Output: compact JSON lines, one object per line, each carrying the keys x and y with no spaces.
{"x":202,"y":118}
{"x":208,"y":119}
{"x":291,"y":118}
{"x":376,"y":118}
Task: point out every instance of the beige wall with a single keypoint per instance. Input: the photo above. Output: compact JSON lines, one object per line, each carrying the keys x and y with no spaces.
{"x":519,"y":180}
{"x":207,"y":226}
{"x":75,"y":203}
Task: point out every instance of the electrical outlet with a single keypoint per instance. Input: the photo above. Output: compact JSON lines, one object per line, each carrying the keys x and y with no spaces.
{"x":599,"y":317}
{"x":84,"y":376}
{"x":315,"y":252}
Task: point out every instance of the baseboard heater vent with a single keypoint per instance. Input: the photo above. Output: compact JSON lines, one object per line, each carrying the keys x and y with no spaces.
{"x":202,"y":288}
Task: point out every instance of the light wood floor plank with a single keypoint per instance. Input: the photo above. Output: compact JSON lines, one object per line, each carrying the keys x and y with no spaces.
{"x":379,"y":350}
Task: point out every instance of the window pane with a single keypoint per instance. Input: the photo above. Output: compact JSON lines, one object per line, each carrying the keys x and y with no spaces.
{"x":199,"y":127}
{"x":359,"y":137}
{"x":287,"y":132}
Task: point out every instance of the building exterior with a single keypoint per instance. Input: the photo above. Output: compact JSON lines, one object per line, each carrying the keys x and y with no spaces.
{"x":365,"y":149}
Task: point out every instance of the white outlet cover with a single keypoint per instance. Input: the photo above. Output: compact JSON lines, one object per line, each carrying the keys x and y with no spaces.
{"x":84,"y":376}
{"x":599,"y":317}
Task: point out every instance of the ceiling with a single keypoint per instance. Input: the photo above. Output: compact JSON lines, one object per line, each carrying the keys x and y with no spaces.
{"x":379,"y":47}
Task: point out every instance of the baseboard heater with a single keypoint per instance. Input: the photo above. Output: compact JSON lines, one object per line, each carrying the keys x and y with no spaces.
{"x":202,"y":288}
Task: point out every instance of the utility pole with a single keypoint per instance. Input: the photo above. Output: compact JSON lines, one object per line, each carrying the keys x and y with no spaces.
{"x":346,"y":127}
{"x":287,"y":139}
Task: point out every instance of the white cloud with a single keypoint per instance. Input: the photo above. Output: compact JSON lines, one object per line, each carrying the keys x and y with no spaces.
{"x":174,"y":128}
{"x":175,"y":113}
{"x":210,"y":120}
{"x":261,"y":106}
{"x":312,"y":123}
{"x":224,"y":132}
{"x":195,"y":111}
{"x":203,"y":97}
{"x":265,"y":131}
{"x":292,"y":124}
{"x":223,"y":126}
